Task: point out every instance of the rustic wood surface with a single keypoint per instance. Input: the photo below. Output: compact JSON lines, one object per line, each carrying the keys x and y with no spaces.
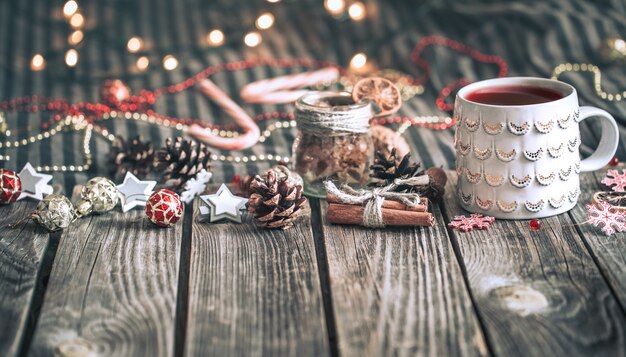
{"x":112,"y":288}
{"x":538,"y":292}
{"x":22,"y":253}
{"x":254,"y":291}
{"x":399,"y":291}
{"x":115,"y":285}
{"x":608,"y":252}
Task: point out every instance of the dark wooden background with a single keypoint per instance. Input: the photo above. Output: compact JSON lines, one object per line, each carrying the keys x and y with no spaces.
{"x":116,"y":285}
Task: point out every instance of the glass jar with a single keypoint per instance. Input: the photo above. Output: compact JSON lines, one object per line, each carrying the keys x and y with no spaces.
{"x":333,"y":141}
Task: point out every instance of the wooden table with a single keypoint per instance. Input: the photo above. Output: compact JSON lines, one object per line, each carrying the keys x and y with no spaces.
{"x":115,"y":284}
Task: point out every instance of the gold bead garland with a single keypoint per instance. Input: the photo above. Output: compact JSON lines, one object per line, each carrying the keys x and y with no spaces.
{"x":597,"y":79}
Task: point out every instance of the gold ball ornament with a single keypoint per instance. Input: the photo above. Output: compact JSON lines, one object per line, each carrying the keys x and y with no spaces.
{"x":54,"y":212}
{"x":99,"y":195}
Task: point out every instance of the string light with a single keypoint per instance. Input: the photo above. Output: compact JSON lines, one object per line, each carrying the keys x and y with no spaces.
{"x":170,"y":62}
{"x":252,"y":39}
{"x":358,"y":61}
{"x":77,"y":20}
{"x":38,"y":62}
{"x":273,"y":1}
{"x":76,"y":37}
{"x":135,"y":44}
{"x":265,"y":21}
{"x":215,"y":37}
{"x":142,"y":63}
{"x":356,"y":11}
{"x":71,"y":57}
{"x":335,"y":7}
{"x":70,"y":8}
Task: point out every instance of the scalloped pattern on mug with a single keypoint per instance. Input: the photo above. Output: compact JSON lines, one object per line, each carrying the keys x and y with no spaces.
{"x":534,"y":207}
{"x":472,"y":124}
{"x":557,"y":151}
{"x":565,"y":123}
{"x":494,"y":180}
{"x":505,"y":156}
{"x":459,"y":169}
{"x":556,"y":202}
{"x":577,"y":167}
{"x":546,"y":179}
{"x":464,"y":149}
{"x":572,"y":196}
{"x":483,"y":204}
{"x":565,"y":174}
{"x":473,"y":177}
{"x":467,"y":199}
{"x":482,"y":154}
{"x":507,"y":207}
{"x":544,"y":127}
{"x":521,"y":182}
{"x":573,"y":144}
{"x":493,"y":128}
{"x":577,"y":115}
{"x":518,"y":129}
{"x":533,"y":156}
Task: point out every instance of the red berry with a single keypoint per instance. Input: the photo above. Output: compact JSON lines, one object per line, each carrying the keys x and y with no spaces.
{"x":614,"y":161}
{"x":236,"y":179}
{"x":535,"y":224}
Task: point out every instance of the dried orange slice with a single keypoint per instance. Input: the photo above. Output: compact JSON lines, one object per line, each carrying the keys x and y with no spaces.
{"x":380,"y":91}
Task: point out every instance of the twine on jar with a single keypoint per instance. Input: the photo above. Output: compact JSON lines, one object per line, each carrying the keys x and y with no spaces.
{"x":317,"y":115}
{"x":373,"y":199}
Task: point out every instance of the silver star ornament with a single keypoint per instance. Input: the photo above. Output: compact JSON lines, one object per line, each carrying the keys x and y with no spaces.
{"x":222,"y":205}
{"x":134,"y":192}
{"x":34,"y":184}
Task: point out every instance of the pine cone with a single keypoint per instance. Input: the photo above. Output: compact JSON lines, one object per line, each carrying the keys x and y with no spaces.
{"x":180,"y":160}
{"x":135,"y":156}
{"x":388,"y":168}
{"x":275,"y":203}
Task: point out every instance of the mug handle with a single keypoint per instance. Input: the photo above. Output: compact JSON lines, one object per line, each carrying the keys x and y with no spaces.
{"x":608,"y":141}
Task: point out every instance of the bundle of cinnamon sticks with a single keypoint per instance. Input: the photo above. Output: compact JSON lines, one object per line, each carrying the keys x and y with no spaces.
{"x":394,"y":213}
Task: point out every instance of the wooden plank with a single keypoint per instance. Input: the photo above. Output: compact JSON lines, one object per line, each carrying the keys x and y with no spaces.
{"x":538,"y":292}
{"x":112,"y":288}
{"x":22,"y":252}
{"x":254,"y":291}
{"x":608,"y":252}
{"x":399,"y":291}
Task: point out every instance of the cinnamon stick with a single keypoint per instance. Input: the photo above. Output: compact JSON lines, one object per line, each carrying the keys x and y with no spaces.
{"x":423,"y":207}
{"x":353,"y":214}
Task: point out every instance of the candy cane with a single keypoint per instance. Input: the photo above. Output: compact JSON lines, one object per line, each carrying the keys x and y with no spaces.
{"x":273,"y":90}
{"x":251,"y":132}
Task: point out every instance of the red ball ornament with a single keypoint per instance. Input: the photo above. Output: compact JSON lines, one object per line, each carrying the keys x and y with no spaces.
{"x":164,"y":208}
{"x":614,"y":161}
{"x":10,"y":186}
{"x":114,"y":92}
{"x":535,"y":224}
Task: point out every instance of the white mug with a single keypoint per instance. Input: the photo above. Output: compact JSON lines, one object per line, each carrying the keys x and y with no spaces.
{"x":522,"y":161}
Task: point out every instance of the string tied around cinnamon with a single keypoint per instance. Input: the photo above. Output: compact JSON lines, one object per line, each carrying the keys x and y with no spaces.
{"x":373,"y":199}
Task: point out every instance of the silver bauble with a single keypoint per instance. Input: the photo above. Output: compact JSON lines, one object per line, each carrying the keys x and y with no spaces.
{"x":98,"y":195}
{"x":54,"y":212}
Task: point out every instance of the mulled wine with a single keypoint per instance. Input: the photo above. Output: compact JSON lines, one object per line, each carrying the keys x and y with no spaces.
{"x":513,"y":95}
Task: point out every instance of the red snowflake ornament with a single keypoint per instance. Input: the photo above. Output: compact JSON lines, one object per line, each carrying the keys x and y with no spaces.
{"x":615,"y":180}
{"x":604,"y":214}
{"x":164,"y":208}
{"x":466,"y":224}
